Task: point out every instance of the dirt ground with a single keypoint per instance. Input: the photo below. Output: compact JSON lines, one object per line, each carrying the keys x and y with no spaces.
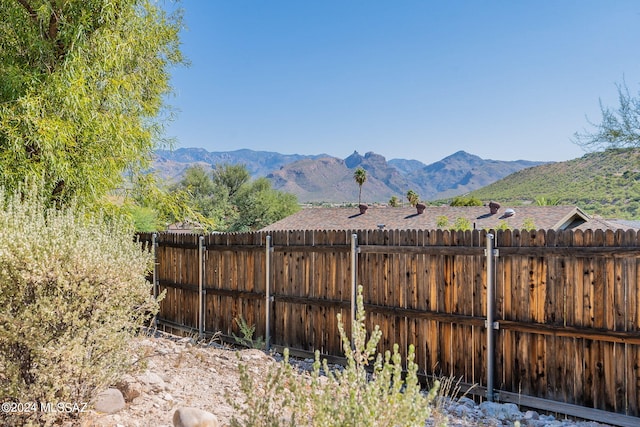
{"x":176,"y":373}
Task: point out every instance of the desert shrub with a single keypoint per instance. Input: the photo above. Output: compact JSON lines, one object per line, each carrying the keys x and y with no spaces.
{"x":73,"y":293}
{"x":466,"y":201}
{"x":503,"y":225}
{"x":372,"y":389}
{"x":462,"y":224}
{"x":442,"y":221}
{"x":528,"y":224}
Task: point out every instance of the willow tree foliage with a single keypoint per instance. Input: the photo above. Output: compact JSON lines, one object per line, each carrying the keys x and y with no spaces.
{"x":81,"y":91}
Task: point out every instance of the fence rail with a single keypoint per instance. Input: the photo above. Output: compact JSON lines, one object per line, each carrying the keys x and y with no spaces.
{"x":566,"y":302}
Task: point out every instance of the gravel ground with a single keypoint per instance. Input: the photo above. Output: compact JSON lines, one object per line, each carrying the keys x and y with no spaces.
{"x":178,"y":373}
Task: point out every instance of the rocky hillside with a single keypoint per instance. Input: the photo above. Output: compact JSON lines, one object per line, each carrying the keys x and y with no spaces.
{"x":604,"y":183}
{"x":323,"y":178}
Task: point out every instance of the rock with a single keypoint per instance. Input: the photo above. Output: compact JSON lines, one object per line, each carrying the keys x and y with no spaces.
{"x":109,"y":401}
{"x":503,"y":412}
{"x":194,"y":417}
{"x":465,"y":401}
{"x":153,"y":380}
{"x":129,"y":388}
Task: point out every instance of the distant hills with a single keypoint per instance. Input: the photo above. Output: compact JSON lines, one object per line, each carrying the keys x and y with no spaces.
{"x":605,"y":183}
{"x":171,"y":164}
{"x":323,"y":178}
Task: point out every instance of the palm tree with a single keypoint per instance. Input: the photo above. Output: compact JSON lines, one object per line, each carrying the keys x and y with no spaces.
{"x":360,"y":175}
{"x":413,"y":197}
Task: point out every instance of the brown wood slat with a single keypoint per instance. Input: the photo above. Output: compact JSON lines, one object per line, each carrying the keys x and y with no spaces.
{"x":566,"y":301}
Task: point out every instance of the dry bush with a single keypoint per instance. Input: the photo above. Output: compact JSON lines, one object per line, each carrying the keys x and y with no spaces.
{"x":372,"y":390}
{"x":73,"y":294}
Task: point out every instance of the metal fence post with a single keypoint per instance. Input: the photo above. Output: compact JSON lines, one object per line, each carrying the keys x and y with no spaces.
{"x":267,"y":281}
{"x":490,"y":253}
{"x":354,"y":274}
{"x":154,"y":247}
{"x":201,"y":287}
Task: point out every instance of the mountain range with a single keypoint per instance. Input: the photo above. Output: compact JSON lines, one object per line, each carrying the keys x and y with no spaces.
{"x":324,"y":178}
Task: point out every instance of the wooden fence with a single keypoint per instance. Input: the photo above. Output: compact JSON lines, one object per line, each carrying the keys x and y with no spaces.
{"x":567,"y":312}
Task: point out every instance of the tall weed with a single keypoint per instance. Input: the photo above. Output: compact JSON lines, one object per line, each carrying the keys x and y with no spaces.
{"x":372,"y":390}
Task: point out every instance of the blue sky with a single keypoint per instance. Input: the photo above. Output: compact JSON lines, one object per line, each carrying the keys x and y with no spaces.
{"x":503,"y":80}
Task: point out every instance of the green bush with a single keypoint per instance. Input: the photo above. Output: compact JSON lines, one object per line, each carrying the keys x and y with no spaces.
{"x":442,"y":221}
{"x":371,"y":390}
{"x":462,"y":224}
{"x":73,"y":294}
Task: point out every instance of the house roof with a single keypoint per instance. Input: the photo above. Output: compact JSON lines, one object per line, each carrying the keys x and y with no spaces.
{"x":596,"y":223}
{"x":479,"y":217}
{"x":186,"y":226}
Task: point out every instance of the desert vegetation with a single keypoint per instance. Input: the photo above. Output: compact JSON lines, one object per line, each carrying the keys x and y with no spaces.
{"x":604,"y":183}
{"x":373,"y":389}
{"x":74,"y":293}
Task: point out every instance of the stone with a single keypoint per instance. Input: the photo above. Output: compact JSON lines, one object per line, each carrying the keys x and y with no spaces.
{"x":153,"y":380}
{"x":503,"y":412}
{"x":465,"y":401}
{"x":194,"y":417}
{"x":129,"y":388}
{"x":109,"y":401}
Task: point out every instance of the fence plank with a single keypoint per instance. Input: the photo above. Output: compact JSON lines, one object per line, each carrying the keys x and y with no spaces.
{"x":566,"y":301}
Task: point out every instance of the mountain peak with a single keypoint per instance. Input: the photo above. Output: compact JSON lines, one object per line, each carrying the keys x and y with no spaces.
{"x":353,"y":160}
{"x":462,"y":155}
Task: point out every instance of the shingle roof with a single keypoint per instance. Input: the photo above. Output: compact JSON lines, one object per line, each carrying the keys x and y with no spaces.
{"x":609,"y":224}
{"x":479,"y":217}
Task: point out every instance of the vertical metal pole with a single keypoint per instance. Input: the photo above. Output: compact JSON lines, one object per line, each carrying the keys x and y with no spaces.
{"x":267,"y":282}
{"x":490,"y":311}
{"x":354,"y":274}
{"x":154,"y":247}
{"x":200,"y":287}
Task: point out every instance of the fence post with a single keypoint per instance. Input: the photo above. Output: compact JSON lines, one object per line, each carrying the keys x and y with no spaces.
{"x":267,"y":281}
{"x":490,"y":253}
{"x":354,"y":275}
{"x":201,"y":287}
{"x":154,"y":247}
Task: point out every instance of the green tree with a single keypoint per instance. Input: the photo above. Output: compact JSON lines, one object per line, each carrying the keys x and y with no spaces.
{"x":259,"y":205}
{"x":148,"y":198}
{"x":360,"y":176}
{"x":394,"y":202}
{"x":413,"y":197}
{"x":466,"y":201}
{"x":231,"y":177}
{"x":83,"y":84}
{"x":205,"y":195}
{"x":212,"y":193}
{"x":619,"y":127}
